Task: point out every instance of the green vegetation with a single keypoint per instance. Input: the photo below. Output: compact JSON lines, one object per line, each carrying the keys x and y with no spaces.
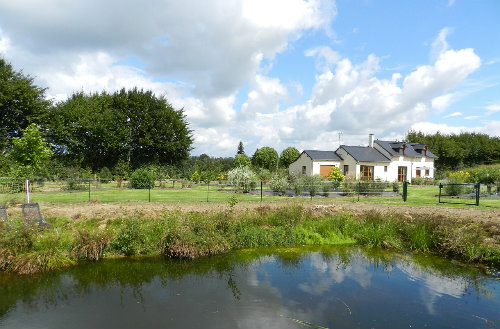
{"x":287,"y":156}
{"x":26,"y":250}
{"x":458,"y":151}
{"x":266,"y":158}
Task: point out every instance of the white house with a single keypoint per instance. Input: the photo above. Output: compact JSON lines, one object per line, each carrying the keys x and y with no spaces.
{"x":384,"y":160}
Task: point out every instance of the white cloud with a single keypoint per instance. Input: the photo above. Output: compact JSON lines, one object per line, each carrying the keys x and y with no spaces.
{"x":472,"y":117}
{"x":440,"y":45}
{"x":264,"y":96}
{"x":491,"y":128}
{"x":442,"y":102}
{"x":454,"y":114}
{"x":493,"y":108}
{"x":200,"y":55}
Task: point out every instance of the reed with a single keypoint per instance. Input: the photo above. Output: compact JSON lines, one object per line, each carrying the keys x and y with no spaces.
{"x":27,"y":250}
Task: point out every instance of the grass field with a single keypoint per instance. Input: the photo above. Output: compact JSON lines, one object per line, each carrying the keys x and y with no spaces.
{"x":54,"y":193}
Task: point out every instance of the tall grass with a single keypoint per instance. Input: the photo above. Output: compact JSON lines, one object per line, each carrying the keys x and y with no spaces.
{"x":26,"y":250}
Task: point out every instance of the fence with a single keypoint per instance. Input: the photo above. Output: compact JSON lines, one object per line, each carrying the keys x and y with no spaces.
{"x":465,"y":193}
{"x":71,"y":190}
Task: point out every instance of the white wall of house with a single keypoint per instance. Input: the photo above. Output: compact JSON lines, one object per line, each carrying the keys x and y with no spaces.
{"x":295,"y":167}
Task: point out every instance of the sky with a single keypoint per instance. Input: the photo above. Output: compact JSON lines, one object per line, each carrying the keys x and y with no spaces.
{"x":279,"y":73}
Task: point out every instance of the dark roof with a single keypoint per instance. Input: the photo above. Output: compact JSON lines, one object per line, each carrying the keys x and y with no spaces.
{"x":323,"y":155}
{"x":415,"y":150}
{"x":365,"y":154}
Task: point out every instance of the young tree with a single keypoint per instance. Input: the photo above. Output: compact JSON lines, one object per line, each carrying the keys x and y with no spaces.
{"x":30,"y":152}
{"x":265,"y":157}
{"x":240,"y":148}
{"x":21,"y":103}
{"x":289,"y":155}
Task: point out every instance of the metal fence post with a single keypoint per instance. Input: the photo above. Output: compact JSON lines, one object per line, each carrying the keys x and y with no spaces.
{"x":261,"y":191}
{"x":89,"y":189}
{"x":359,"y":189}
{"x":440,"y":187}
{"x":405,"y":190}
{"x":149,"y":194}
{"x":208,"y":189}
{"x":478,"y":191}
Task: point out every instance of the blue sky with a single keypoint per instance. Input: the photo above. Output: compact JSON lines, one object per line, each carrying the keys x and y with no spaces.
{"x":274,"y":73}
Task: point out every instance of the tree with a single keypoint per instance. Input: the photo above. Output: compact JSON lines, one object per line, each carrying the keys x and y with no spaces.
{"x":240,"y":148}
{"x":266,"y":158}
{"x":242,"y":160}
{"x":21,"y":103}
{"x":134,"y":126}
{"x":30,"y":152}
{"x":456,"y":151}
{"x":289,"y":155}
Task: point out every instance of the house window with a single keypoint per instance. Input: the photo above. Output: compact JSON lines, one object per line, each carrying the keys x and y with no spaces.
{"x":385,"y":168}
{"x":366,"y":172}
{"x":303,"y":170}
{"x":402,"y":174}
{"x":418,"y":173}
{"x":346,"y":170}
{"x":427,"y":172}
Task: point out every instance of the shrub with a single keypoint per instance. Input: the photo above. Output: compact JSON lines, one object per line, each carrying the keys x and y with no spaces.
{"x":279,"y":184}
{"x":335,"y":175}
{"x":312,"y":183}
{"x":142,"y":179}
{"x":298,"y":185}
{"x":326,"y":189}
{"x":243,"y":178}
{"x":89,"y":245}
{"x":129,"y":239}
{"x":105,"y":175}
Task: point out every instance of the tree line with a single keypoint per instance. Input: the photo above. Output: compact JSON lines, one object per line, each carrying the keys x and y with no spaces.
{"x":104,"y":132}
{"x":456,"y":151}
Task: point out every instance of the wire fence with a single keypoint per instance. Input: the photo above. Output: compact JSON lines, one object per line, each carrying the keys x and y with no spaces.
{"x":15,"y":191}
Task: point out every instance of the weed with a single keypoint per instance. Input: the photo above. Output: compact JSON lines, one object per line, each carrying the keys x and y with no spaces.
{"x":89,"y":245}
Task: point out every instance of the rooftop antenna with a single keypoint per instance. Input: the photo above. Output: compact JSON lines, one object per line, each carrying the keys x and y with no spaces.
{"x":340,"y":134}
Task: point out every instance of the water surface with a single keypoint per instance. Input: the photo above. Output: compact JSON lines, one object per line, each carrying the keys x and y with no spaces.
{"x":287,"y":288}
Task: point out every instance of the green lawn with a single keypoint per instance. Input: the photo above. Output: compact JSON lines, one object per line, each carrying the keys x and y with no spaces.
{"x":417,"y":196}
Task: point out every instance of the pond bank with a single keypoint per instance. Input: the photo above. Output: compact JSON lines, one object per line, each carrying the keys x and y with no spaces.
{"x":191,"y":234}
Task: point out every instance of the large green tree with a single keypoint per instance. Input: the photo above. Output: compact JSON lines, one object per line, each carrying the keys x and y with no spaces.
{"x":21,"y":103}
{"x":132,"y":126}
{"x":288,"y":155}
{"x":265,"y":157}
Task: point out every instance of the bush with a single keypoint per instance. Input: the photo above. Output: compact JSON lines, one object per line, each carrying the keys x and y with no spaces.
{"x":335,"y":175}
{"x":105,"y":175}
{"x":129,"y":239}
{"x":298,"y":185}
{"x":312,"y":183}
{"x":243,"y":178}
{"x":142,"y":179}
{"x":279,"y":184}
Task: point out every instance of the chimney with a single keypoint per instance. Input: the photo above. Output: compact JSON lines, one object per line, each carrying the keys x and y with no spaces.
{"x":370,"y":140}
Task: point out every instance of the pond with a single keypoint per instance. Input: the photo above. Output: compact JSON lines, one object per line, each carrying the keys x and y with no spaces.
{"x":334,"y":287}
